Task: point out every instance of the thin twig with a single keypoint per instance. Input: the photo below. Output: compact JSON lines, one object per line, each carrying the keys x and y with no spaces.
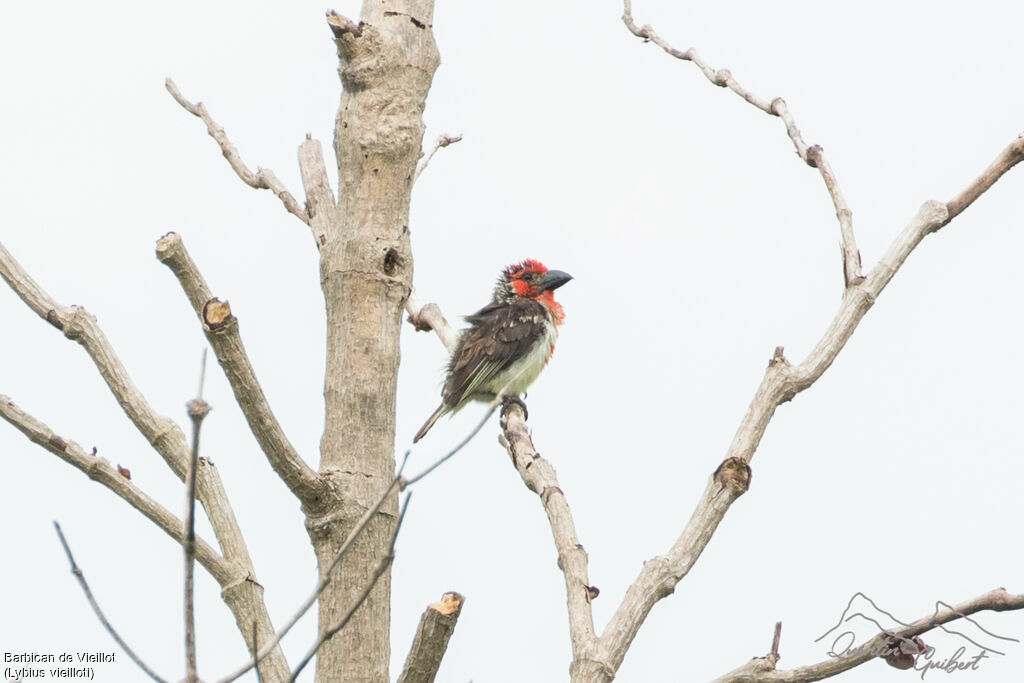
{"x":80,"y":577}
{"x":100,"y":470}
{"x":382,"y":566}
{"x":242,"y":597}
{"x":396,"y":484}
{"x":442,"y":141}
{"x":813,"y":156}
{"x":263,"y":179}
{"x":197,"y":410}
{"x":490,"y":411}
{"x":202,"y":374}
{"x":255,"y":662}
{"x":399,"y":483}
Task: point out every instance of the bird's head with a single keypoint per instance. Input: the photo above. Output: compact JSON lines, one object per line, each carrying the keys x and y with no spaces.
{"x":531,"y":280}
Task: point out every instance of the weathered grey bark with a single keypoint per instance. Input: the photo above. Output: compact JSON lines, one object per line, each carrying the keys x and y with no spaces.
{"x":387,"y":63}
{"x":428,"y":647}
{"x":241,"y":592}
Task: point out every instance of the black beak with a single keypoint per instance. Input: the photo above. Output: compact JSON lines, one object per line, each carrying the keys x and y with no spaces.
{"x":553,"y":279}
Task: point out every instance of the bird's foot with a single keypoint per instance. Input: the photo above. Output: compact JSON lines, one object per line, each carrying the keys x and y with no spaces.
{"x":509,"y":400}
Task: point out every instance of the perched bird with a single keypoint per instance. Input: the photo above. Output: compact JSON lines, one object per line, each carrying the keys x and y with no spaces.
{"x":508,"y":342}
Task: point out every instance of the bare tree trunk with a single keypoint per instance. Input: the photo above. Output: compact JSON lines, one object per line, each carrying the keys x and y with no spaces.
{"x":387,"y":63}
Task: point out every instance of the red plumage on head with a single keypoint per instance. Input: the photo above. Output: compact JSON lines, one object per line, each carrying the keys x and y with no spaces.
{"x":518,"y":274}
{"x":529,"y":266}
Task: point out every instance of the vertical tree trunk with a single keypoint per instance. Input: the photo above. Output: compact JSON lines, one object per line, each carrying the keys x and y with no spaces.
{"x":387,"y":63}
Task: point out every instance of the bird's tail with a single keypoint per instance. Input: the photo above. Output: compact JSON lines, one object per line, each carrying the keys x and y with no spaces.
{"x":441,"y":410}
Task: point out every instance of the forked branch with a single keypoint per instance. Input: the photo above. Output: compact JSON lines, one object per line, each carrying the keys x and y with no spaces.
{"x":781,"y":383}
{"x":243,"y":595}
{"x":100,"y":470}
{"x":221,"y":330}
{"x":599,"y":658}
{"x":442,"y":141}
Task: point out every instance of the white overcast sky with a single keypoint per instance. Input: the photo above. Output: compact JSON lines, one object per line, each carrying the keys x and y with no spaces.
{"x":698,"y":241}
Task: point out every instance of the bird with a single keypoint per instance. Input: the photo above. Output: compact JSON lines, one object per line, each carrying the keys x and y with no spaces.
{"x":508,"y":341}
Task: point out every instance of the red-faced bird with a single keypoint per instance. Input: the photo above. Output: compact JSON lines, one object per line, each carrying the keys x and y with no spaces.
{"x":508,"y":341}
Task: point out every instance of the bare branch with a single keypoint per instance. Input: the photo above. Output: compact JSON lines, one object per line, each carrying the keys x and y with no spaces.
{"x":197,"y":410}
{"x":813,"y":156}
{"x":243,"y":595}
{"x":781,"y":383}
{"x":321,"y":207}
{"x":426,"y":317}
{"x":100,"y":470}
{"x":382,"y":566}
{"x":469,"y":437}
{"x":428,"y":647}
{"x":96,"y":608}
{"x":1007,"y":159}
{"x":263,"y":179}
{"x":221,"y":330}
{"x":851,"y":255}
{"x":539,"y":476}
{"x":761,"y":669}
{"x":442,"y":141}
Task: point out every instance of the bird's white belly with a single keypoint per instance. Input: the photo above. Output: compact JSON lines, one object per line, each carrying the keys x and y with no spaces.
{"x":520,"y":375}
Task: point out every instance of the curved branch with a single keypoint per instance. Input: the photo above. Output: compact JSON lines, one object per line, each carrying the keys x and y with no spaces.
{"x":80,"y":577}
{"x":813,"y":156}
{"x":539,"y":476}
{"x":163,"y":433}
{"x":221,"y":330}
{"x":781,"y":383}
{"x":263,"y":179}
{"x":427,"y":317}
{"x":100,"y":470}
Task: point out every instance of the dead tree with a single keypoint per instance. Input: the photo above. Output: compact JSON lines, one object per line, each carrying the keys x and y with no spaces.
{"x":386,"y":64}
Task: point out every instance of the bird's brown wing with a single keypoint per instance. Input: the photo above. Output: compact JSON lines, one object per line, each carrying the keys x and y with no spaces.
{"x":498,"y":336}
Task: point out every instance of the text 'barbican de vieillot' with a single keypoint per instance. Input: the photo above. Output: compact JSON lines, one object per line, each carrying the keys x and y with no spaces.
{"x":50,"y":658}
